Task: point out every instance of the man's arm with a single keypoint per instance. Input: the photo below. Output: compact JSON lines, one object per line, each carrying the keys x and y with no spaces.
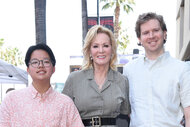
{"x":187,"y":116}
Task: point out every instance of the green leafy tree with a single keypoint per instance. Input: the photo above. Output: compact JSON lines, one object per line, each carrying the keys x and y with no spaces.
{"x":117,"y":4}
{"x":123,"y":41}
{"x":1,"y":42}
{"x":11,"y":55}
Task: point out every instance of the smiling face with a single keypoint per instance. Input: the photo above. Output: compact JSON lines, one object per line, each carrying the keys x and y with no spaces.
{"x":152,"y":37}
{"x":101,"y":50}
{"x":40,"y":73}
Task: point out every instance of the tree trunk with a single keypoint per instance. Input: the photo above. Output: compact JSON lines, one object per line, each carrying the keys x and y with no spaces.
{"x":84,"y":20}
{"x":40,"y":21}
{"x":116,"y":25}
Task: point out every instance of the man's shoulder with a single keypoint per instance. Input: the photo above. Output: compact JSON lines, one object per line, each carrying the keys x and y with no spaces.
{"x":18,"y":92}
{"x":134,"y":62}
{"x":132,"y":66}
{"x":176,"y":62}
{"x":63,"y":99}
{"x":16,"y":95}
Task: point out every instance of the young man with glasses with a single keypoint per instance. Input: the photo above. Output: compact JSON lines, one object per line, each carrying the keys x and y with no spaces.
{"x":39,"y":105}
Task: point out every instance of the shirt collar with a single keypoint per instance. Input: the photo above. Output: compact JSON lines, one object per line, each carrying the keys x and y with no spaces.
{"x":90,"y":74}
{"x":36,"y":94}
{"x":161,"y":57}
{"x":157,"y":62}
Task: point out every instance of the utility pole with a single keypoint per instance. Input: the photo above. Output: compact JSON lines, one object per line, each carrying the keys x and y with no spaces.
{"x":98,"y":17}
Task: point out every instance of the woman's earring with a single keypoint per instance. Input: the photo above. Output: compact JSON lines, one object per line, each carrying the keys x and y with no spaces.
{"x":91,"y":57}
{"x":111,"y":56}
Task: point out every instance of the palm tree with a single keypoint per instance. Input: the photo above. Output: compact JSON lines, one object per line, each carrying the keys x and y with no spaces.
{"x":126,"y":4}
{"x":40,"y":21}
{"x":84,"y":19}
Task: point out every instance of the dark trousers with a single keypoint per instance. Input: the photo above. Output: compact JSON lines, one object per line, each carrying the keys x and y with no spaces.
{"x":122,"y":121}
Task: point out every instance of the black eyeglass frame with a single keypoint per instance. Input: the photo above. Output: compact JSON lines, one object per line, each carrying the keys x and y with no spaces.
{"x":36,"y":62}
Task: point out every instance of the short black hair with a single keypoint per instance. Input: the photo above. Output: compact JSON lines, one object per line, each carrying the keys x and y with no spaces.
{"x":41,"y":46}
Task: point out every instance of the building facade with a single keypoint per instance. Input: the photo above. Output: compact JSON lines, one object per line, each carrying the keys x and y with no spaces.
{"x":183,"y":30}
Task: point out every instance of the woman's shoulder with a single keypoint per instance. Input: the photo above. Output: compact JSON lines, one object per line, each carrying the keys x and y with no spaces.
{"x":120,"y":80}
{"x":118,"y":75}
{"x":80,"y":73}
{"x":78,"y":76}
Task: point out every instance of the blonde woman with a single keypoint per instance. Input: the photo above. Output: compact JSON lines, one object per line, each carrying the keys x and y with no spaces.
{"x":98,"y":90}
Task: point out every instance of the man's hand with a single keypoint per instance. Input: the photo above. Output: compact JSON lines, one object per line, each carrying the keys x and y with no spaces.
{"x":187,"y":116}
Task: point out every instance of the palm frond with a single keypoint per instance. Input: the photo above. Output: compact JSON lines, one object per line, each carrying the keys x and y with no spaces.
{"x":127,"y":8}
{"x":103,"y":0}
{"x":108,"y":5}
{"x":131,"y":1}
{"x":121,"y":1}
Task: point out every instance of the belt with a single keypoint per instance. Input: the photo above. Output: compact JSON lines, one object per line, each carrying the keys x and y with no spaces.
{"x":98,"y":121}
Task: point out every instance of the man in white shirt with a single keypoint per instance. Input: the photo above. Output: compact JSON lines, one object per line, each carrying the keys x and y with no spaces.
{"x":159,"y":85}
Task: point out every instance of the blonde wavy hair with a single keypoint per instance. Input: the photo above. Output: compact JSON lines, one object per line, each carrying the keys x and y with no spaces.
{"x":92,"y":33}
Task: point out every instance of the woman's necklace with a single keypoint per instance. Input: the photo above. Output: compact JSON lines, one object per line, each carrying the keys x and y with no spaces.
{"x":100,"y":76}
{"x":100,"y":81}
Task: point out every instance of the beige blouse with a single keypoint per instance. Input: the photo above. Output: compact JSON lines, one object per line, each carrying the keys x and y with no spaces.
{"x":111,"y":100}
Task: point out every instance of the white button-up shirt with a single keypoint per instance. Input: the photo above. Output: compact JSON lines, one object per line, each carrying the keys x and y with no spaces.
{"x":158,"y":91}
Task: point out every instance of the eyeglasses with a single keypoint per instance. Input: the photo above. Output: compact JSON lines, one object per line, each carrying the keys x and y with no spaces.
{"x":36,"y":63}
